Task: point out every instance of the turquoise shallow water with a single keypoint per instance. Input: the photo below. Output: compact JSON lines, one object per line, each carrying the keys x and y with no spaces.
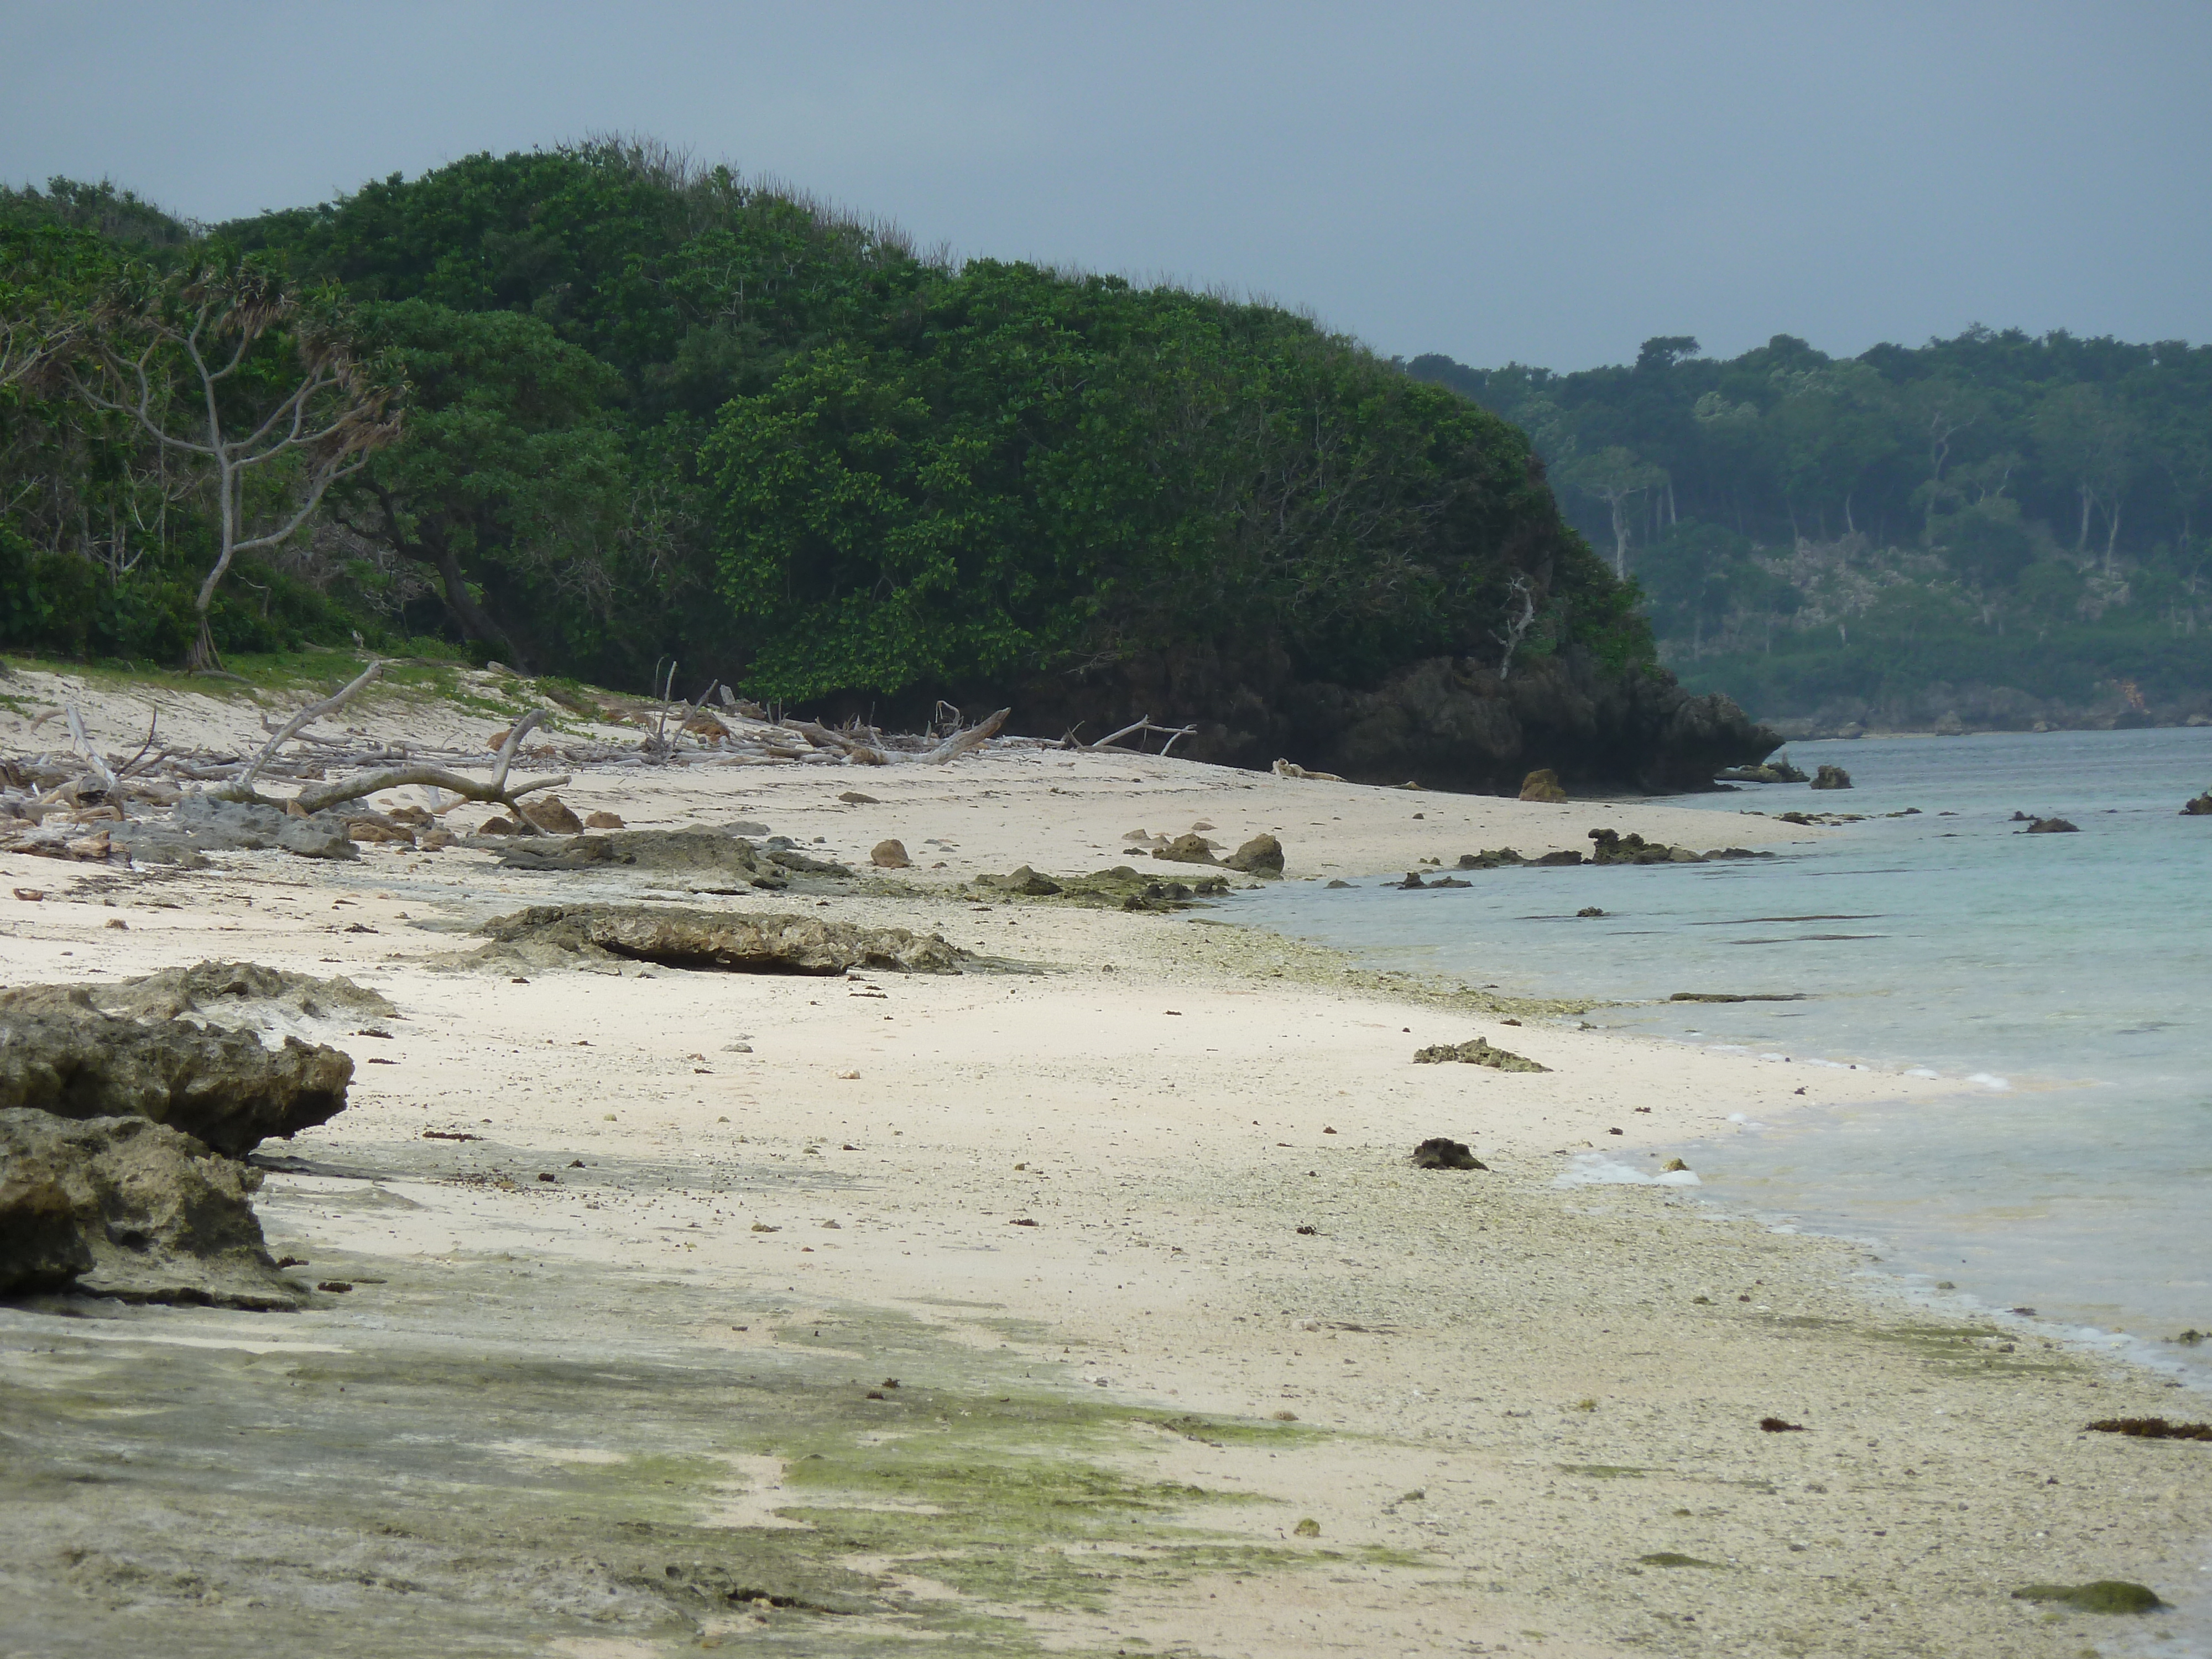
{"x":2063,"y":980}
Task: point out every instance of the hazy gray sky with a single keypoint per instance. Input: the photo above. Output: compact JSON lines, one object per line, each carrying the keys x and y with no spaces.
{"x":1550,"y":183}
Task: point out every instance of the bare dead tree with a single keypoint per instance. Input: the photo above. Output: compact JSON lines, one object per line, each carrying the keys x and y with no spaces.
{"x":184,"y":358}
{"x":1517,"y":623}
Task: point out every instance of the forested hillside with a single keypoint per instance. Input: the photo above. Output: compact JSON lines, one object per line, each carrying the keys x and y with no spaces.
{"x":593,"y":410}
{"x":1995,"y":527}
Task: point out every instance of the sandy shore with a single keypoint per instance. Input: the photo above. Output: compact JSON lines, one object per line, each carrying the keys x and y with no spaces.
{"x":646,"y":1404}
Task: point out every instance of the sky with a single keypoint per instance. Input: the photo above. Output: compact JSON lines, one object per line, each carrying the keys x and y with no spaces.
{"x":1544,"y":183}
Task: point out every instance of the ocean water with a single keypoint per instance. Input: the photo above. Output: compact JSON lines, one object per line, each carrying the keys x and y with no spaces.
{"x":2063,"y":982}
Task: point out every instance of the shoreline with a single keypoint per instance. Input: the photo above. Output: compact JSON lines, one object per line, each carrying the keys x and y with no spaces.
{"x":1499,"y":1400}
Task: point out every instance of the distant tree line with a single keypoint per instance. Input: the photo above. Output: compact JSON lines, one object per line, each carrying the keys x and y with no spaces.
{"x":592,"y":408}
{"x":2033,"y":508}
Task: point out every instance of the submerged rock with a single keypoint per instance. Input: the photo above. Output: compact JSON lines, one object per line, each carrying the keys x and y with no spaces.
{"x":1832,"y":777}
{"x":1439,"y":1152}
{"x":1777,"y":770}
{"x":60,"y":1053}
{"x":2051,"y":827}
{"x":2199,"y":808}
{"x":1476,"y":1051}
{"x":122,"y":1207}
{"x":545,"y":934}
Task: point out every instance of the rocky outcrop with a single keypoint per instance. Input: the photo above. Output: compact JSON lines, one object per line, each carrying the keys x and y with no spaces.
{"x":1777,"y":770}
{"x":119,"y":1206}
{"x":548,"y":934}
{"x":60,"y":1053}
{"x":1832,"y":777}
{"x":202,"y":824}
{"x":233,"y":995}
{"x":1450,"y":723}
{"x":2199,"y":808}
{"x":1476,"y":1051}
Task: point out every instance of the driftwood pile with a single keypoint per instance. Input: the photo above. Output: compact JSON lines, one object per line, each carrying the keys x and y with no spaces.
{"x":67,"y":802}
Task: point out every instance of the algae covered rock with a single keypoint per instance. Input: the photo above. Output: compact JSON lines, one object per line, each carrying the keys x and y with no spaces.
{"x":1542,"y":785}
{"x":546,"y":934}
{"x":2101,"y":1595}
{"x":122,"y":1207}
{"x":1476,"y":1051}
{"x":2199,"y":808}
{"x":60,"y":1053}
{"x":1441,"y":1153}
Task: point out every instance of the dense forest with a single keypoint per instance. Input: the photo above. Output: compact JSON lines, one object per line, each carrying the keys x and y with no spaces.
{"x":592,"y":410}
{"x":1995,"y":525}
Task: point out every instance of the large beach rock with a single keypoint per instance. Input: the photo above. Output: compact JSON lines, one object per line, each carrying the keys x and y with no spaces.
{"x":123,"y":1207}
{"x":1262,"y":855}
{"x":710,"y":857}
{"x":59,"y":1053}
{"x":234,"y":995}
{"x":547,"y":934}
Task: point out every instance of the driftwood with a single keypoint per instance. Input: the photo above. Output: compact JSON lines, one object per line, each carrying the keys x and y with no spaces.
{"x":1140,"y":728}
{"x":960,"y":742}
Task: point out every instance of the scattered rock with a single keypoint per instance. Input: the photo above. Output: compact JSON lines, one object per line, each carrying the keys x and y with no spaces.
{"x":2101,"y":1595}
{"x":1187,"y":849}
{"x":603,"y":821}
{"x":1832,"y":777}
{"x":854,"y":798}
{"x":552,"y":814}
{"x":2051,"y":827}
{"x":1542,"y":784}
{"x":1777,"y":770}
{"x":1476,"y":1051}
{"x":709,"y":858}
{"x":1439,"y":1152}
{"x":889,"y":856}
{"x":1262,"y":855}
{"x":1024,"y":881}
{"x":1611,"y":846}
{"x":434,"y":841}
{"x":119,"y":1206}
{"x":60,"y":1053}
{"x":545,"y":934}
{"x":2152,"y":1428}
{"x":205,"y":824}
{"x":498,"y":826}
{"x":1498,"y":859}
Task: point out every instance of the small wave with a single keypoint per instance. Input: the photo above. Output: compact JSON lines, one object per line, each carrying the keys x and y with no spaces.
{"x":1988,"y":1081}
{"x":1593,"y":1170}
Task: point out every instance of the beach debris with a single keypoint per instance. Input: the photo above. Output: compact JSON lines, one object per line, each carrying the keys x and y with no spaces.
{"x":1284,"y":768}
{"x":1673,"y":1559}
{"x":550,"y":934}
{"x":603,"y":821}
{"x":889,"y":856}
{"x":2099,"y":1595}
{"x":1476,"y":1051}
{"x":2051,"y":827}
{"x":1440,"y":1152}
{"x":1777,"y":1425}
{"x":1832,"y":777}
{"x":1542,"y":785}
{"x":1262,"y":855}
{"x":119,"y":1206}
{"x":1733,"y":996}
{"x":2152,"y":1428}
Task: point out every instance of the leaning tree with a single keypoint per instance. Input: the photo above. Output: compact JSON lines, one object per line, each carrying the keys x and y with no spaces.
{"x":240,"y":373}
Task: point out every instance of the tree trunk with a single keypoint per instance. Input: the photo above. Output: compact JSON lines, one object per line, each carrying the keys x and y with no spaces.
{"x":2112,"y":534}
{"x":2088,"y":500}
